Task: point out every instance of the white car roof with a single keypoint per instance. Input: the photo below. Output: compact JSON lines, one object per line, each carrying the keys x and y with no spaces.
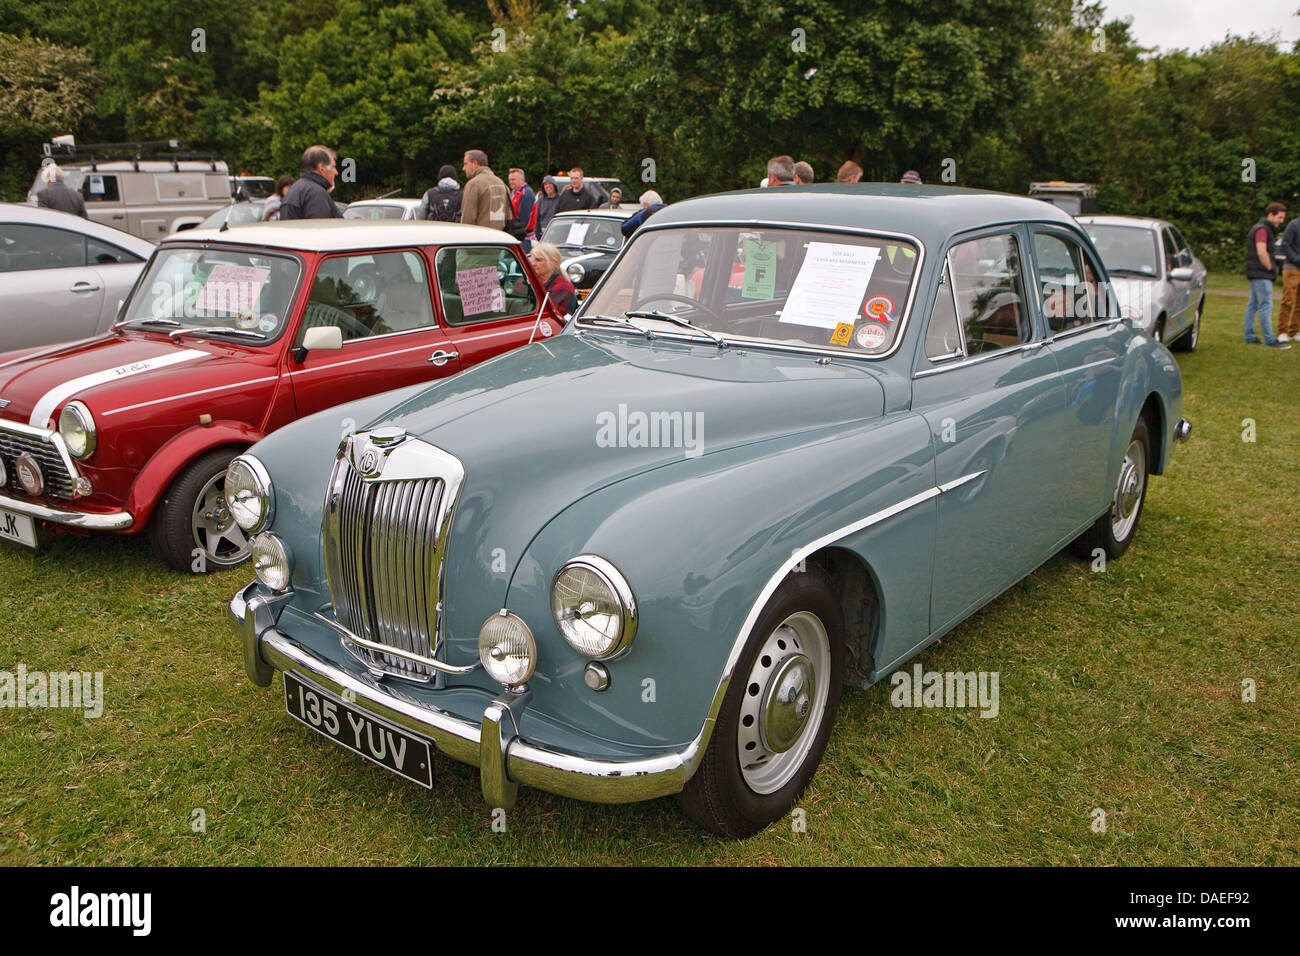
{"x":38,"y":216}
{"x":390,"y":201}
{"x":1134,"y":222}
{"x":336,"y":235}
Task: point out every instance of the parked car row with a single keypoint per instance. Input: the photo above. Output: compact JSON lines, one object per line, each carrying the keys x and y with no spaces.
{"x":789,"y":439}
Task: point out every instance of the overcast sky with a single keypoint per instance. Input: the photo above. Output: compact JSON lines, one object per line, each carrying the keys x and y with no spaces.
{"x":1193,"y":24}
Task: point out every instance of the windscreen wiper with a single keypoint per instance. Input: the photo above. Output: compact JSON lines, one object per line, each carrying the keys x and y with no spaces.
{"x":677,"y":320}
{"x":219,"y":330}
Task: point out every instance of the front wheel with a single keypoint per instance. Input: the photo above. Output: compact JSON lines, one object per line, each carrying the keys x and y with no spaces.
{"x":192,"y":527}
{"x":1114,"y":531}
{"x":777,"y":714}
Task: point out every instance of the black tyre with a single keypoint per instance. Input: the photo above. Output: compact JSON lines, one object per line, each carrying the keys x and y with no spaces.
{"x":1114,"y":531}
{"x":1158,"y":330}
{"x":192,"y":527}
{"x":1187,"y":341}
{"x":777,"y":714}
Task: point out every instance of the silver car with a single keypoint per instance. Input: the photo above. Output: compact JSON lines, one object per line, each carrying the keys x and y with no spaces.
{"x":1159,"y":282}
{"x":61,"y":276}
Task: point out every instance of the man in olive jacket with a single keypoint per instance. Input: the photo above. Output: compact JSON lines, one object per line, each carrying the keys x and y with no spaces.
{"x":485,"y":199}
{"x":309,"y":197}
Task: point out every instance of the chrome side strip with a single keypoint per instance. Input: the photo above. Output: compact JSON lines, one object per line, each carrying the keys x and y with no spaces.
{"x":958,"y":482}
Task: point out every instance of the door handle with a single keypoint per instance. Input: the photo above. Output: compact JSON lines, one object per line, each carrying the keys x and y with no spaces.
{"x":84,"y":287}
{"x":441,"y":358}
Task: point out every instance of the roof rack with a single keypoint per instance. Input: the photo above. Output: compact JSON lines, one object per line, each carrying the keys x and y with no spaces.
{"x":167,"y":150}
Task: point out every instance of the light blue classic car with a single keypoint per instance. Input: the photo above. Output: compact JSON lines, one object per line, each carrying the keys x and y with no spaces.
{"x":792,"y":437}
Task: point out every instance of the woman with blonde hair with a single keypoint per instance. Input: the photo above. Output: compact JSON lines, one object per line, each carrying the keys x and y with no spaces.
{"x":545,"y":259}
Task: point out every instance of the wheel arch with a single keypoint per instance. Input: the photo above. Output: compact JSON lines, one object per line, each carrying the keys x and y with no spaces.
{"x":858,"y":589}
{"x":1153,"y":411}
{"x":177,"y":455}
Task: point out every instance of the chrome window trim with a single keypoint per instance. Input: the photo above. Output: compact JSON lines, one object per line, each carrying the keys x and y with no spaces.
{"x":1031,"y":346}
{"x":945,"y":279}
{"x":779,"y":224}
{"x":54,"y":438}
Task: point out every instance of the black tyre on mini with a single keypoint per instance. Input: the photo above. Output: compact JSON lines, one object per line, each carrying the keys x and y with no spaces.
{"x":192,"y":527}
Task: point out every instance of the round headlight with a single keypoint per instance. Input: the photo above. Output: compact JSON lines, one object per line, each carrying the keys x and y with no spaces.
{"x":249,"y":493}
{"x":594,"y":607}
{"x":77,"y":427}
{"x":506,"y":649}
{"x":575,"y":271}
{"x":272,"y":562}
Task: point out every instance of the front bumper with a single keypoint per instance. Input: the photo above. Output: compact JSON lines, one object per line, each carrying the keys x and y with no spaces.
{"x":505,"y":760}
{"x":111,"y":521}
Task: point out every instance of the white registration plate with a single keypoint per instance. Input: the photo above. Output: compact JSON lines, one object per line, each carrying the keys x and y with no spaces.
{"x":16,"y":527}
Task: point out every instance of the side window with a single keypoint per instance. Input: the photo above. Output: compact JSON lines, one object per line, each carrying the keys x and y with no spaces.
{"x":943,"y":335}
{"x":1171,"y":249}
{"x":1068,"y":282}
{"x":481,"y":284}
{"x":370,"y":295}
{"x":989,"y":293}
{"x":1184,"y":251}
{"x":102,"y":253}
{"x":99,"y":187}
{"x":24,"y":247}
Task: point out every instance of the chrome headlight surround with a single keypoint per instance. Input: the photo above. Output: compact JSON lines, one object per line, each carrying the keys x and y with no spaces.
{"x":575,"y":271}
{"x":77,"y":428}
{"x":272,"y":562}
{"x":4,"y":474}
{"x":507,"y":649}
{"x":575,"y":611}
{"x":250,"y":494}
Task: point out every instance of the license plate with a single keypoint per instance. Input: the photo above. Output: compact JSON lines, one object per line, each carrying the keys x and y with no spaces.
{"x":378,"y":741}
{"x":16,"y":527}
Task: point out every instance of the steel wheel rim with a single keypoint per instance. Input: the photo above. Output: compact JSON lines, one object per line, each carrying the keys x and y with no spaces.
{"x":1128,"y":491}
{"x":801,"y":635}
{"x":213,"y":527}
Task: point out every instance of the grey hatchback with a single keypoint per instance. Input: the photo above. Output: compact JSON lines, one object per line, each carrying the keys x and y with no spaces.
{"x":61,"y":276}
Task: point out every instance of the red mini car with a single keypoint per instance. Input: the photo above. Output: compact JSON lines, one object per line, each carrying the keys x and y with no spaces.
{"x":228,"y":335}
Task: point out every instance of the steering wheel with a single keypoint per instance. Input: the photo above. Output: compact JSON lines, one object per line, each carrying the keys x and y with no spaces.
{"x":673,"y":296}
{"x":319,"y":314}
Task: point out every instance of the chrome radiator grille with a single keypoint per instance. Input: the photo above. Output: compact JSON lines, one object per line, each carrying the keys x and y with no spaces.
{"x":58,"y":481}
{"x":384,"y":549}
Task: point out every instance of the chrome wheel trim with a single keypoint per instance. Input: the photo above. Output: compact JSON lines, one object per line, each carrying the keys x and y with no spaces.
{"x":795,"y":658}
{"x":214,"y":528}
{"x":1128,"y":491}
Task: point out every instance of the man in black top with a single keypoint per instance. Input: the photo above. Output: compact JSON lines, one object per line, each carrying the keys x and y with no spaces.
{"x":1261,"y":272}
{"x":56,"y":195}
{"x":576,"y":195}
{"x":309,"y":197}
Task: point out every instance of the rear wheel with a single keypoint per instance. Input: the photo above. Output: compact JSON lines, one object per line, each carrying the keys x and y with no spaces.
{"x":1114,"y":531}
{"x":777,"y":714}
{"x":1187,"y":341}
{"x":1158,"y":330}
{"x":192,"y":527}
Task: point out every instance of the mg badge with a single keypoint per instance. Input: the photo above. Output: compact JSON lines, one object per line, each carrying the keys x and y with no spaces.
{"x":28,"y":471}
{"x":369,"y":462}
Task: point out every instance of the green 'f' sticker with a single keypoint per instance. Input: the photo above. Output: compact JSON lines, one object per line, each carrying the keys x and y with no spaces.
{"x":760,"y":270}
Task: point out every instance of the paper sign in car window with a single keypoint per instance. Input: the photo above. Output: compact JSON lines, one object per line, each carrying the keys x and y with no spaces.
{"x":97,"y":185}
{"x":760,"y":270}
{"x":480,"y":290}
{"x":577,"y":233}
{"x":830,"y":284}
{"x":659,"y":274}
{"x":230,"y":288}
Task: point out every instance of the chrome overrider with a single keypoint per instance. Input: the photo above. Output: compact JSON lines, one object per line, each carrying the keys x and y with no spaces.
{"x":505,"y":760}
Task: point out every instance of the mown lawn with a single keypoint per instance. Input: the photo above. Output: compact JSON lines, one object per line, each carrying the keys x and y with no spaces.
{"x":1119,"y":690}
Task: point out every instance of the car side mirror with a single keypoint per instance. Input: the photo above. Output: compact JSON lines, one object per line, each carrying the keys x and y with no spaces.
{"x":1181,"y":274}
{"x":323,"y":338}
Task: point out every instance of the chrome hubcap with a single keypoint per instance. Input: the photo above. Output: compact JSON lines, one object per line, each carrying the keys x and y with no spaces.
{"x":1128,"y":491}
{"x":784,"y":702}
{"x":214,"y":528}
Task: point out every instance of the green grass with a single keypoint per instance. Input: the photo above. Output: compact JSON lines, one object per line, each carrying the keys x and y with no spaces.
{"x":1119,"y":690}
